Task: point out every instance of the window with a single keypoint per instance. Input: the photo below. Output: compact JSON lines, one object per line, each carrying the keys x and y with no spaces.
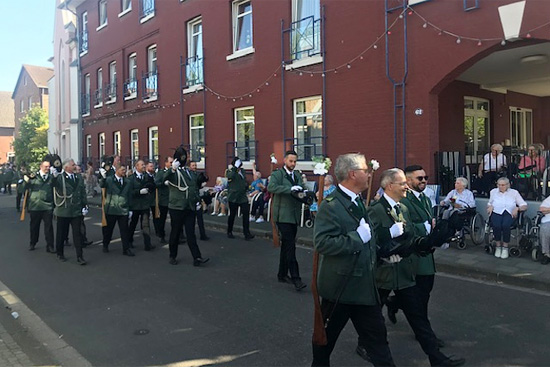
{"x":242,"y":25}
{"x":102,"y":13}
{"x":196,"y":138}
{"x":151,"y":78}
{"x":21,"y":105}
{"x":125,"y":6}
{"x":146,"y":10}
{"x":305,"y":29}
{"x":154,"y":143}
{"x":521,"y":127}
{"x":116,"y":143}
{"x":99,"y":91}
{"x":101,"y":145}
{"x":476,"y":128}
{"x":110,"y":89}
{"x":134,"y":141}
{"x":88,"y":146}
{"x":30,"y":103}
{"x":85,"y":102}
{"x":245,"y":143}
{"x":130,"y":86}
{"x":194,"y":68}
{"x":308,"y":128}
{"x":84,"y":33}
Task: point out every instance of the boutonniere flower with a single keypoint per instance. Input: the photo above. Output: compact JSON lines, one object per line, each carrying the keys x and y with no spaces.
{"x":321,"y":166}
{"x":453,"y":199}
{"x":374,"y":164}
{"x":396,"y":218}
{"x":273,"y":159}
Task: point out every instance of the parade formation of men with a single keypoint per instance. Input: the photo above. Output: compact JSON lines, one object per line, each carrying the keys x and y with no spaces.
{"x":367,"y":256}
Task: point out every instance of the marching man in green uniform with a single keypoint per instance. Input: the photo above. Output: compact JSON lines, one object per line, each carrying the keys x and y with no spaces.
{"x":287,"y":213}
{"x":396,"y":233}
{"x":70,"y":207}
{"x":40,"y":204}
{"x":20,"y":188}
{"x":116,"y":207}
{"x":139,"y":204}
{"x":164,"y":196}
{"x":237,"y":198}
{"x":346,"y":278}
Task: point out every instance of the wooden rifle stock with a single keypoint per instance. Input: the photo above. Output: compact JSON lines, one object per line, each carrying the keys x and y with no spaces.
{"x":103,"y":216}
{"x":319,"y":333}
{"x":22,"y":217}
{"x":157,"y":209}
{"x":370,"y":187}
{"x":274,"y":229}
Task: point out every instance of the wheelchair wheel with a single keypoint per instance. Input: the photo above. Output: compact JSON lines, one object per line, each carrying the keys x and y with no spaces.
{"x":309,"y":223}
{"x":490,"y":249}
{"x":515,"y":251}
{"x":477,"y":228}
{"x":461,"y":245}
{"x":536,"y":254}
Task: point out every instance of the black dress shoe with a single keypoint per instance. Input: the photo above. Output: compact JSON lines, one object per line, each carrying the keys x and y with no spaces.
{"x":150,"y":248}
{"x":173,"y":261}
{"x":204,"y":238}
{"x":128,"y":253}
{"x":105,"y":249}
{"x":87,"y":243}
{"x":61,"y":258}
{"x":249,"y":236}
{"x":199,"y":261}
{"x":81,"y":261}
{"x":230,"y":235}
{"x":31,"y":247}
{"x":544,"y":261}
{"x":362,"y":353}
{"x":285,"y":279}
{"x":392,"y":311}
{"x":299,"y":285}
{"x":451,"y":362}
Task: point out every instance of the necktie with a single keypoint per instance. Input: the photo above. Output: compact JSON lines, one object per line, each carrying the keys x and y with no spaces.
{"x":360,"y":205}
{"x":44,"y":177}
{"x":120,"y":181}
{"x":397,"y":208}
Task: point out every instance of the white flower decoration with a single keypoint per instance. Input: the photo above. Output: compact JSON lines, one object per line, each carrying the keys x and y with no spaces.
{"x":374,"y":164}
{"x":319,"y":169}
{"x":273,"y":159}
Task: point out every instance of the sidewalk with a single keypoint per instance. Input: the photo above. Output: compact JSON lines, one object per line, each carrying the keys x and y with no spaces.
{"x":471,"y":262}
{"x":10,"y":352}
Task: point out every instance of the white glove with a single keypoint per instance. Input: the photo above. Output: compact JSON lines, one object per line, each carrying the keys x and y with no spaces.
{"x":229,"y":166}
{"x":273,"y":160}
{"x":444,"y":246}
{"x":53,"y":172}
{"x":238,"y":163}
{"x":130,"y":214}
{"x":20,"y":181}
{"x":144,"y":191}
{"x":364,"y":231}
{"x":393,"y":259}
{"x":85,"y":211}
{"x":103,"y":172}
{"x":428,"y":227}
{"x":199,"y":206}
{"x":296,"y":188}
{"x":176,"y":164}
{"x":26,"y":178}
{"x":396,"y":230}
{"x":167,"y":183}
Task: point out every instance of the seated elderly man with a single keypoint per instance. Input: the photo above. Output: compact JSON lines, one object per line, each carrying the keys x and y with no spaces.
{"x":503,"y":207}
{"x":460,"y":198}
{"x":493,"y":163}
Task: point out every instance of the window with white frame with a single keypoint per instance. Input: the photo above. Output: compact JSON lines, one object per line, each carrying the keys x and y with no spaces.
{"x":308,"y":127}
{"x":110,"y":90}
{"x":242,"y":25}
{"x":521,"y":127}
{"x":116,"y":143}
{"x":154,"y":143}
{"x":88,"y":146}
{"x":306,"y":28}
{"x":196,"y":138}
{"x":102,"y":13}
{"x":151,"y":78}
{"x":152,"y":59}
{"x":86,"y":96}
{"x":21,"y":105}
{"x":476,"y":128}
{"x":99,"y":91}
{"x":84,"y":33}
{"x":194,"y":65}
{"x":134,"y":143}
{"x":147,"y":10}
{"x":130,"y":86}
{"x":245,"y":140}
{"x":101,"y":145}
{"x":125,"y":6}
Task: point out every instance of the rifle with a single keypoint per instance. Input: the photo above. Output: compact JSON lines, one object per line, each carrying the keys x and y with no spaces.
{"x":319,"y":333}
{"x":157,"y":209}
{"x":22,"y":217}
{"x":103,"y":217}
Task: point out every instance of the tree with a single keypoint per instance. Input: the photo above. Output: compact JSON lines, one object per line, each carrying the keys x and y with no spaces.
{"x":32,"y":144}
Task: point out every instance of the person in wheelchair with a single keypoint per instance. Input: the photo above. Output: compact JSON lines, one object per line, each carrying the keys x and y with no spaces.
{"x":503,"y":208}
{"x":545,"y":231}
{"x":327,"y":190}
{"x":530,"y":168}
{"x":493,"y":165}
{"x":459,"y":199}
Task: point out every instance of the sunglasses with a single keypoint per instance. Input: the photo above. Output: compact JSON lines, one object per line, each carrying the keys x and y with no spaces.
{"x":422,"y":178}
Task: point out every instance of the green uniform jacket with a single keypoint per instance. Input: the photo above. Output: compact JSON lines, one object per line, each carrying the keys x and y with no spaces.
{"x":40,"y":193}
{"x":138,"y":201}
{"x":20,"y":182}
{"x":286,"y":209}
{"x":184,"y":192}
{"x":152,"y":194}
{"x":340,"y":248}
{"x":164,"y":191}
{"x":69,"y":195}
{"x":420,"y":211}
{"x":8,"y":176}
{"x":117,"y":198}
{"x":402,"y":274}
{"x":236,"y":186}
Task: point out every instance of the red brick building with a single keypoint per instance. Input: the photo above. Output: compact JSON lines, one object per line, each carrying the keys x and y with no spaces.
{"x":325,"y":77}
{"x":7,"y":126}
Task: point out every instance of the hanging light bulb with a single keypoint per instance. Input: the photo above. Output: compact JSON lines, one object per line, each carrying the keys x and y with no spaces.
{"x":425,"y":25}
{"x":349,"y":66}
{"x":503,"y":43}
{"x":458,"y":40}
{"x":528,"y":35}
{"x":479,"y":43}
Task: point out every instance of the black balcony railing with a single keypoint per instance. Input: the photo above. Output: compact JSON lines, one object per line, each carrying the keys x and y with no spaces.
{"x":83,"y":41}
{"x":307,"y":148}
{"x":150,"y":85}
{"x":245,"y":150}
{"x":195,"y":152}
{"x":193,"y":71}
{"x":130,"y":88}
{"x":146,"y":8}
{"x":110,"y":91}
{"x":98,"y":97}
{"x":85,"y":104}
{"x":305,"y":38}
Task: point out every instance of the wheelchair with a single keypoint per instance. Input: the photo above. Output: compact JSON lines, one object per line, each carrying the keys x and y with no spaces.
{"x":520,"y":230}
{"x":473,"y":226}
{"x":531,"y":243}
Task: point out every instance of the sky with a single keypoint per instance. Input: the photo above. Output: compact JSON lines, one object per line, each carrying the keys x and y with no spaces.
{"x":26,"y":37}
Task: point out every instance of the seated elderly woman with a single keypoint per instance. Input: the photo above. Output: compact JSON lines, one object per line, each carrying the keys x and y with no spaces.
{"x":489,"y":169}
{"x":458,"y":199}
{"x":545,"y":231}
{"x":327,"y":190}
{"x":503,"y":207}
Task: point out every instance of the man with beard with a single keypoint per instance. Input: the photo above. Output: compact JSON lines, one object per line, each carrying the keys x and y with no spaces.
{"x":140,"y":204}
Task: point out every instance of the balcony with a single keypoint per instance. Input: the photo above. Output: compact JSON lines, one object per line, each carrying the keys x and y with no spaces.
{"x":150,"y":83}
{"x":85,"y":105}
{"x":193,"y":71}
{"x":306,"y":147}
{"x":305,"y":39}
{"x":130,"y":88}
{"x":98,"y":98}
{"x":146,"y":10}
{"x":83,"y":42}
{"x":110,"y":92}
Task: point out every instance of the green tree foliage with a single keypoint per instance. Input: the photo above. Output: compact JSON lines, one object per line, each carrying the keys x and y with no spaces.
{"x":32,"y":144}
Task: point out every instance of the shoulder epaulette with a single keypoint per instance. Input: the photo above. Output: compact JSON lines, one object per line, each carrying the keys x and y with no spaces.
{"x":329,"y":198}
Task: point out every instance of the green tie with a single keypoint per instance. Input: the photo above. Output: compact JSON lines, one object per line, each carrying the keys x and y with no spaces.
{"x":361,"y":205}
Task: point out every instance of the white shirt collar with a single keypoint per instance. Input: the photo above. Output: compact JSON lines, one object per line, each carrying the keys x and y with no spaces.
{"x":416,"y":193}
{"x":390,"y":200}
{"x":69,"y":174}
{"x":349,"y":193}
{"x":118,"y":178}
{"x":289,"y":172}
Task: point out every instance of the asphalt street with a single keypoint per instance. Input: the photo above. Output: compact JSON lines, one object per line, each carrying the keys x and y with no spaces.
{"x":121,"y":311}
